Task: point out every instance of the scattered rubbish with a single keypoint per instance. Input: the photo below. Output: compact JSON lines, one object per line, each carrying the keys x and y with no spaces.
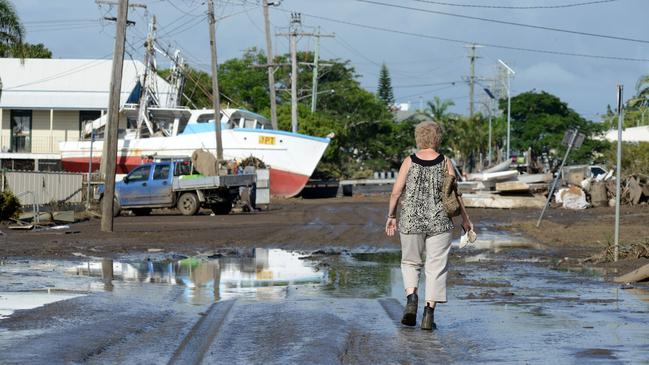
{"x":634,"y":276}
{"x":154,"y":250}
{"x":61,"y":227}
{"x":632,"y":251}
{"x":571,"y":198}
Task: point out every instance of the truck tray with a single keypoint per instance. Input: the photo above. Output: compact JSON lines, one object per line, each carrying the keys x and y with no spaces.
{"x":213,"y":182}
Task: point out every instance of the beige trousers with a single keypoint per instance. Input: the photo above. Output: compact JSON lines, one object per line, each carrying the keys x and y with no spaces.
{"x":436,"y":249}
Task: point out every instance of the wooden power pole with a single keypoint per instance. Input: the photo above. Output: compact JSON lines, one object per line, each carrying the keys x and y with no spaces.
{"x":271,"y":67}
{"x":110,"y":131}
{"x":215,"y":85}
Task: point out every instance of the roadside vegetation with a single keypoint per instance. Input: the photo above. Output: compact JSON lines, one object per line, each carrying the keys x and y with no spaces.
{"x":9,"y":206}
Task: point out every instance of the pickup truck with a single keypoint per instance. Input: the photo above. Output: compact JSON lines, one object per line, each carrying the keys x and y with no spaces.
{"x":171,"y":184}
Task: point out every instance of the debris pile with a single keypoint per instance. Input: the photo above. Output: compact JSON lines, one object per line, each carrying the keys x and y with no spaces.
{"x":600,"y":190}
{"x":500,"y":187}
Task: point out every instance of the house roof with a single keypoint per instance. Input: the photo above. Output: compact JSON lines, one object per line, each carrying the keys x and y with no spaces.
{"x":66,"y":83}
{"x":632,"y":134}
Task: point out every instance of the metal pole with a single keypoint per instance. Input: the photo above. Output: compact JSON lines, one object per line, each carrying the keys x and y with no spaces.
{"x":490,"y":115}
{"x":293,"y":81}
{"x":92,"y":141}
{"x":509,"y":115}
{"x":472,"y":80}
{"x":216,"y":97}
{"x":110,"y":134}
{"x":314,"y":82}
{"x":556,"y":179}
{"x":271,"y":67}
{"x":618,"y":179}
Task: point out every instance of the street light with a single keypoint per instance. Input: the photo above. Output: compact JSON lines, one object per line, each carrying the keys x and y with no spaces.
{"x":509,"y":104}
{"x":492,"y":98}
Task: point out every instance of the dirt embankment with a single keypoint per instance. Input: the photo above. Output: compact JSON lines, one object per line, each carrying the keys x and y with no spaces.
{"x":316,"y":224}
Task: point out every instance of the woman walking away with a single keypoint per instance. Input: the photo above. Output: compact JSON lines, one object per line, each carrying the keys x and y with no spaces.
{"x":424,"y":226}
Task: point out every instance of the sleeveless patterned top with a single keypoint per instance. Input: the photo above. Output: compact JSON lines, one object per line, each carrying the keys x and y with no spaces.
{"x":421,"y":207}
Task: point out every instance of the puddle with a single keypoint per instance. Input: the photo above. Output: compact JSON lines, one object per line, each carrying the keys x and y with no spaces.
{"x":13,"y":301}
{"x":499,"y":241}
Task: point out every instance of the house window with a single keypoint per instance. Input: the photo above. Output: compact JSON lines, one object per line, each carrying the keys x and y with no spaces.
{"x":21,"y":131}
{"x":87,"y":116}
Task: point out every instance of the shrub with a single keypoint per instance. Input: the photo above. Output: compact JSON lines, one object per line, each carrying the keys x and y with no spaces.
{"x":635,"y":158}
{"x":9,"y":205}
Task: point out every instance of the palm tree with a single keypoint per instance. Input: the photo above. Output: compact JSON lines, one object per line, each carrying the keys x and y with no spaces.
{"x":640,"y":100}
{"x":438,"y":108}
{"x":12,"y":31}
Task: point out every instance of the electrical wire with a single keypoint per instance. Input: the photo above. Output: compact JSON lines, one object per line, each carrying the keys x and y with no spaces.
{"x":493,"y":45}
{"x":559,"y":6}
{"x":561,"y":30}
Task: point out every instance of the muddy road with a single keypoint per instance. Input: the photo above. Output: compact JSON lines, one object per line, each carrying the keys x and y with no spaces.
{"x":311,"y":225}
{"x":277,"y":307}
{"x":317,"y":282}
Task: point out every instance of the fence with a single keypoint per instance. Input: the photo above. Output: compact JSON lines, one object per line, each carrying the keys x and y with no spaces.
{"x":43,"y":187}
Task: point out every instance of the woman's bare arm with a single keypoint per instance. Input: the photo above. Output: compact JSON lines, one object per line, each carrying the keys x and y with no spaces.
{"x":397,"y":189}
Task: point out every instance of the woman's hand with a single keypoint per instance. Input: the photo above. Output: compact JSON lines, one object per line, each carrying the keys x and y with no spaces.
{"x":467,"y":224}
{"x":391,"y":227}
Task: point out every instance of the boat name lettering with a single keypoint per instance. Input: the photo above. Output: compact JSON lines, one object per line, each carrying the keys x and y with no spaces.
{"x":266,"y":140}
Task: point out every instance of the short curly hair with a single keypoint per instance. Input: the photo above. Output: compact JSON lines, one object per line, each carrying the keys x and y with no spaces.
{"x":428,"y":134}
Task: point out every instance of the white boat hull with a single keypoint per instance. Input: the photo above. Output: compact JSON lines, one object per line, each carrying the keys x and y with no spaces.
{"x":292,"y":157}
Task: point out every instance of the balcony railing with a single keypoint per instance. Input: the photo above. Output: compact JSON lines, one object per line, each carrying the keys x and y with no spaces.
{"x":35,"y":144}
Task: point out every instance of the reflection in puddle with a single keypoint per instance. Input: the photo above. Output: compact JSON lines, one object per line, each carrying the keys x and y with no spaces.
{"x":498,"y":241}
{"x":13,"y":301}
{"x":205,"y":280}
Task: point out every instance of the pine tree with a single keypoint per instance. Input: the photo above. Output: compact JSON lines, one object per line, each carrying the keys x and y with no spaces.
{"x":384,"y":91}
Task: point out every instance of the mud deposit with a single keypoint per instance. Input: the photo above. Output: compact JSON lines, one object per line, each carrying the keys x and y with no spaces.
{"x":274,"y":307}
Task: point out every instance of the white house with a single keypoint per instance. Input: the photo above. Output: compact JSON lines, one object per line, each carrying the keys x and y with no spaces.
{"x":47,"y":101}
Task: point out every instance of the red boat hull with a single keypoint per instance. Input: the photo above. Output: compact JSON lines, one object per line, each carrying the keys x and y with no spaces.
{"x":282,"y":183}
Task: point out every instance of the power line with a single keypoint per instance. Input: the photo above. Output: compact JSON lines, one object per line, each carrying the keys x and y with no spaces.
{"x":459,"y":41}
{"x":560,"y":6}
{"x":561,"y":30}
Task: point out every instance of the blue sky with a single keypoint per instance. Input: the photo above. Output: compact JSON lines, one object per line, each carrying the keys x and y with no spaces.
{"x":74,"y":29}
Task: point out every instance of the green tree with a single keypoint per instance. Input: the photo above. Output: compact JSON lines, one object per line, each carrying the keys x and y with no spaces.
{"x":384,"y":90}
{"x":539,"y":121}
{"x":28,"y":50}
{"x":438,"y":109}
{"x":12,"y":31}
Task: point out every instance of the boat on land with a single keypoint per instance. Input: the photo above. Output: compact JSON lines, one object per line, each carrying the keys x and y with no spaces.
{"x":178,"y":132}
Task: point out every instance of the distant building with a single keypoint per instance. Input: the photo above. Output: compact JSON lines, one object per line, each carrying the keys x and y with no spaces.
{"x":47,"y":101}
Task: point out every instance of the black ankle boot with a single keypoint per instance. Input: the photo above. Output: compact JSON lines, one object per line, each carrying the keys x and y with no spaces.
{"x":428,"y":321}
{"x":410,"y":313}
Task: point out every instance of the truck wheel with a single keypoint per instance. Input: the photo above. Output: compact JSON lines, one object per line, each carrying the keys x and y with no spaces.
{"x":116,"y":207}
{"x":141,"y":211}
{"x":222,"y":208}
{"x":188,"y":204}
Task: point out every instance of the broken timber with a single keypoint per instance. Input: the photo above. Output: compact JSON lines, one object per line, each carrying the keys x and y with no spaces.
{"x":502,"y":201}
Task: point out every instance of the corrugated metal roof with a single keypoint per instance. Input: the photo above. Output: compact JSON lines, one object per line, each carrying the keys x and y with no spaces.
{"x":65,"y":83}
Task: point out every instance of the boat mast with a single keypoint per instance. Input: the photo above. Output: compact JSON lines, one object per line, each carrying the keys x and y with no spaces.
{"x":149,"y":60}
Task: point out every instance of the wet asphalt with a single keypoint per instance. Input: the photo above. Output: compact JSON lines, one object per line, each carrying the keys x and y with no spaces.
{"x":506,"y":305}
